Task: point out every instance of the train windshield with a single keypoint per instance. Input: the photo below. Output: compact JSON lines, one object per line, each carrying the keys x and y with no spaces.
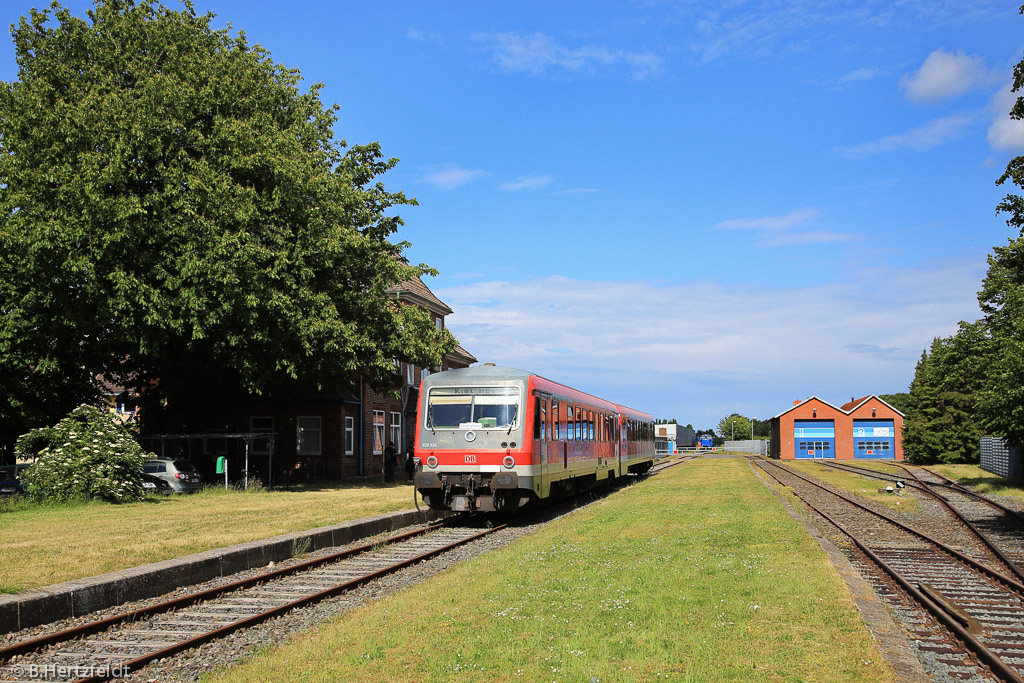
{"x":475,"y":407}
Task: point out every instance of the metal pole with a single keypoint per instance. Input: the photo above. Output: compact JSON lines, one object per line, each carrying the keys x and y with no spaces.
{"x":246,"y":479}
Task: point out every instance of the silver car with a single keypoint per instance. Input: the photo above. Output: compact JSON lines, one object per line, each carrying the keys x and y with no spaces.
{"x":180,"y":474}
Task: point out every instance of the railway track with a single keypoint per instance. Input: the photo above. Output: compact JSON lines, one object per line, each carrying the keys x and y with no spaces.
{"x":996,"y":526}
{"x":960,"y":606}
{"x":113,"y":647}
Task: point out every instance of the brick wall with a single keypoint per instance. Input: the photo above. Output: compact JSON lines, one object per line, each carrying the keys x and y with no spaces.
{"x":815,"y":409}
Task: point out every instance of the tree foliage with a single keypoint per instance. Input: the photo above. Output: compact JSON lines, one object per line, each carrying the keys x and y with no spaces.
{"x":734,"y":427}
{"x":85,"y":456}
{"x":900,"y":401}
{"x":1001,"y":401}
{"x":942,"y":418}
{"x":177,"y":216}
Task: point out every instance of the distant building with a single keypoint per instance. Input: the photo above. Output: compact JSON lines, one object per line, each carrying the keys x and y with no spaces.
{"x":864,"y":428}
{"x":669,"y":438}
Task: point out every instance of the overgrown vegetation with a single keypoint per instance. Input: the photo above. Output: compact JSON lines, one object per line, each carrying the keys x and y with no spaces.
{"x":85,"y":456}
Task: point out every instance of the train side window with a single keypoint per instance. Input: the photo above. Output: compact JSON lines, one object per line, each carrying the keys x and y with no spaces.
{"x":554,"y":419}
{"x":536,"y":418}
{"x":570,"y":422}
{"x":545,"y":435}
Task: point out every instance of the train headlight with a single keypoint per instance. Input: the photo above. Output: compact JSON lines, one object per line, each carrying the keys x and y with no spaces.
{"x":431,"y":462}
{"x":509,"y":462}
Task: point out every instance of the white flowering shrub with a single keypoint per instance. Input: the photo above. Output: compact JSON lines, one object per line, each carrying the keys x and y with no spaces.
{"x":84,"y":456}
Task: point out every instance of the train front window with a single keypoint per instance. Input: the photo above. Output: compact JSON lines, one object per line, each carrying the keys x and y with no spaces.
{"x":476,"y":407}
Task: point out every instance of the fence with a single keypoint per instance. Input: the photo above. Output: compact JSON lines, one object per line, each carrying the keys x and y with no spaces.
{"x":999,"y":458}
{"x":756,"y":446}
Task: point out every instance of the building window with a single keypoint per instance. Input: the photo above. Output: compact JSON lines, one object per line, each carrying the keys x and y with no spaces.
{"x":410,"y":373}
{"x":350,"y":435}
{"x":396,"y":430}
{"x":378,"y":432}
{"x":439,"y":322}
{"x":261,"y":424}
{"x":307,"y":436}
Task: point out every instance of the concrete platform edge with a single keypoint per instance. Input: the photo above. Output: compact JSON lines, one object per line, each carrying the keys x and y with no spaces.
{"x":81,"y":596}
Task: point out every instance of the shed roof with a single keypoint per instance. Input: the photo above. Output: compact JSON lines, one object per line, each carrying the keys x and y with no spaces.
{"x":846,"y":408}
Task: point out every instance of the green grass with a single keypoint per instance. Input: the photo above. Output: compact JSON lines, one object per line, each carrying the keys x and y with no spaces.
{"x":981,"y":481}
{"x":865,"y":487}
{"x":695,"y":575}
{"x":45,"y":544}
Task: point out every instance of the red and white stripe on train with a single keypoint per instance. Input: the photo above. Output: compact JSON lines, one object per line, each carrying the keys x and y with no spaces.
{"x":491,"y":438}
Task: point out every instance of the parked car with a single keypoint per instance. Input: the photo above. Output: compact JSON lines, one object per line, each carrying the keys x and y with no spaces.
{"x":154,"y":484}
{"x":180,"y":474}
{"x":10,"y":484}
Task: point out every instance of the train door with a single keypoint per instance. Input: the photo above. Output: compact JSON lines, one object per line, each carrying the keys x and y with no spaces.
{"x":613,"y":435}
{"x":545,"y":429}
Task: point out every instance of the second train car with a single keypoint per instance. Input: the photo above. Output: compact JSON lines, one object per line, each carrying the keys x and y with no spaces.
{"x":493,"y":438}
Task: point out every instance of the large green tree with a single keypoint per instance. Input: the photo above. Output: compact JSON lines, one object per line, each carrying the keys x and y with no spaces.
{"x":176,"y":215}
{"x":942,"y":422}
{"x":1001,"y":402}
{"x":734,"y":426}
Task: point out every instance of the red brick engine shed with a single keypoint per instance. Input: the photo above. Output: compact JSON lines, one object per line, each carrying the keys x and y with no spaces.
{"x":864,"y":428}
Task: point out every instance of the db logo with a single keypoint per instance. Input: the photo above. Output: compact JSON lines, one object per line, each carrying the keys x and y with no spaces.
{"x":470,"y":459}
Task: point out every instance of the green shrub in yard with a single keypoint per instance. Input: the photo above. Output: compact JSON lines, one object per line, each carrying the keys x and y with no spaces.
{"x":84,"y":456}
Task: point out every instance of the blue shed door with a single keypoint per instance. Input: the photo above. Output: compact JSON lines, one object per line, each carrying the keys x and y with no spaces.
{"x":874,"y":439}
{"x":814,"y":438}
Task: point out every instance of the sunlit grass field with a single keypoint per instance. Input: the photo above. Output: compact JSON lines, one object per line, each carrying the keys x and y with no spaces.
{"x":697,"y":574}
{"x":46,"y":544}
{"x":982,"y":481}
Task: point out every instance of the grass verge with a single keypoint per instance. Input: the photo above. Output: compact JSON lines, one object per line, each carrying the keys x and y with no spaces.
{"x":981,"y":481}
{"x":695,"y":575}
{"x":45,"y":544}
{"x":865,"y":487}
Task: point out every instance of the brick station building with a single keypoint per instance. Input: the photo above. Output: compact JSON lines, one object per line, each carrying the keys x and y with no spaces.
{"x":320,"y":433}
{"x":864,"y":428}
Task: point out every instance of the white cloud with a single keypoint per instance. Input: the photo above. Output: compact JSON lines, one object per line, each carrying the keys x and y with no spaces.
{"x":945,"y":75}
{"x":787,"y":230}
{"x":696,"y":351}
{"x":864,"y":74}
{"x":450,"y":176}
{"x":744,"y":29}
{"x":535,"y":182}
{"x":1005,"y":133}
{"x":932,"y":134}
{"x":540,"y":54}
{"x":578,"y":190}
{"x":787,"y":222}
{"x":416,"y":34}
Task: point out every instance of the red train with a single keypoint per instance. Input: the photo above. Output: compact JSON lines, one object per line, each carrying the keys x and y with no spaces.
{"x":492,"y":438}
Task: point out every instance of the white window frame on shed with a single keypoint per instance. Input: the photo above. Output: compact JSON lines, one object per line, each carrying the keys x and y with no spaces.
{"x":396,"y":429}
{"x":350,"y":435}
{"x":378,"y":432}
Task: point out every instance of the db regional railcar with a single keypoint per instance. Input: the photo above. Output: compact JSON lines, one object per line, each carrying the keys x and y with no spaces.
{"x":493,"y":438}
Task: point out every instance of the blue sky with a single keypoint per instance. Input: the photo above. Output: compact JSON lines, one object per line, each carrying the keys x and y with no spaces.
{"x":691,"y":208}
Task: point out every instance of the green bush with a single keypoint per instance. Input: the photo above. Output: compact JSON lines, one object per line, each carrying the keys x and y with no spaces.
{"x":84,"y":456}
